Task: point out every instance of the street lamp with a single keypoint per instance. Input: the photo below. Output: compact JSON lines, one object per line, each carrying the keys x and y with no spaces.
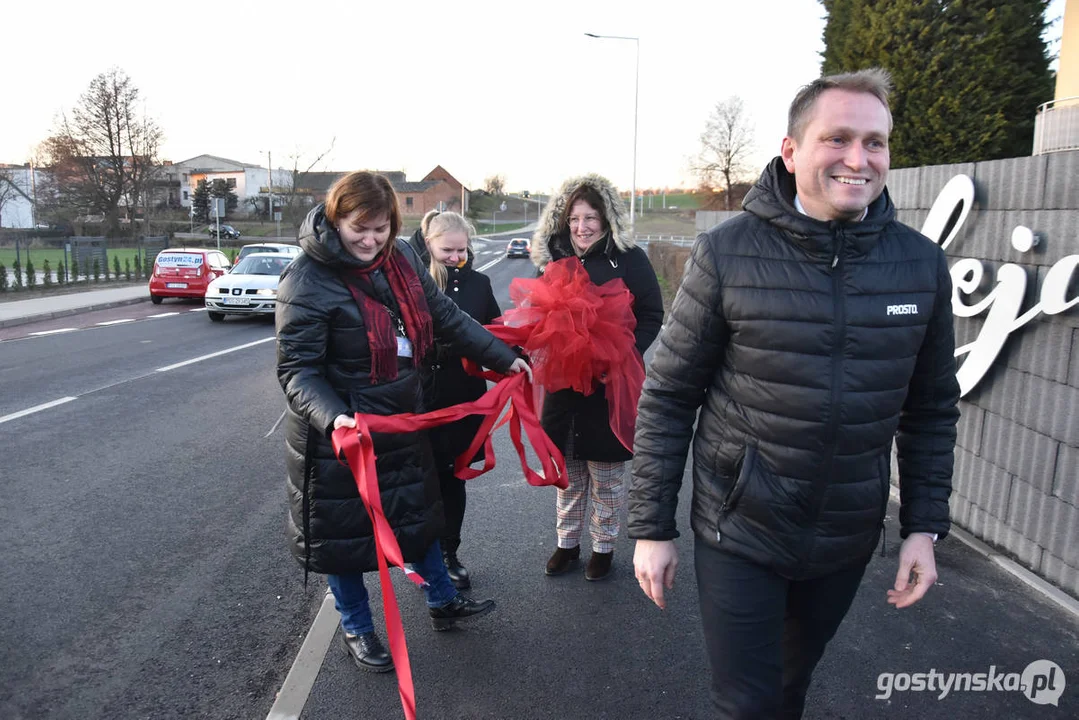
{"x":636,"y":92}
{"x":269,"y":188}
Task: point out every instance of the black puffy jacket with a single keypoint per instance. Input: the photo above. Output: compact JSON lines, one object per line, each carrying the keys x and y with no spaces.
{"x":451,"y":385}
{"x":808,"y":346}
{"x":324,"y":366}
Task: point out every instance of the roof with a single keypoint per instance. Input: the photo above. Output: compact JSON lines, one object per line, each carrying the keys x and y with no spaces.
{"x":415,"y":187}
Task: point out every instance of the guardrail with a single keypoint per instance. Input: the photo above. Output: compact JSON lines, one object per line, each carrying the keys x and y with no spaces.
{"x":680,"y":240}
{"x":1056,"y":126}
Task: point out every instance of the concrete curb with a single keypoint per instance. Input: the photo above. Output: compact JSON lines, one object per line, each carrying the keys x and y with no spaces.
{"x":1044,"y":587}
{"x":13,"y":322}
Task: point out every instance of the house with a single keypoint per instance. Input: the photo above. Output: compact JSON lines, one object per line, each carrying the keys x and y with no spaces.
{"x":246,"y":179}
{"x":437,"y":191}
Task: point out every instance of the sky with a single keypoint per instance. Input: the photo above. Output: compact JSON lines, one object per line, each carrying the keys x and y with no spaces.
{"x":480,"y":88}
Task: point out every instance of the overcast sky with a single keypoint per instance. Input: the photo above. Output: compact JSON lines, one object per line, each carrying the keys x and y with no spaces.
{"x":480,"y":87}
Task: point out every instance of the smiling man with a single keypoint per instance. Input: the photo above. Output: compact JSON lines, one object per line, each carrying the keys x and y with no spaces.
{"x":809,"y":331}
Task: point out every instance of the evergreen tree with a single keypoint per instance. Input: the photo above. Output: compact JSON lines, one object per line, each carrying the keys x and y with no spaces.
{"x":116,"y":266}
{"x":60,"y":277}
{"x":221,"y":189}
{"x":97,"y":270}
{"x":17,"y":269}
{"x":3,"y":278}
{"x":46,"y":273}
{"x":968,"y":74}
{"x":127,"y":269}
{"x":31,"y":276}
{"x":200,"y":202}
{"x":74,"y":268}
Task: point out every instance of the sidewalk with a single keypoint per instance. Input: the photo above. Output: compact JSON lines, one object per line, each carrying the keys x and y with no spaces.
{"x":20,"y":312}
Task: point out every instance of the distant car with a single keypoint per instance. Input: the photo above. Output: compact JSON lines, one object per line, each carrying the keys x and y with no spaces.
{"x":227,"y":231}
{"x":519,"y":247}
{"x":281,"y":248}
{"x":250,"y":289}
{"x":185,"y":273}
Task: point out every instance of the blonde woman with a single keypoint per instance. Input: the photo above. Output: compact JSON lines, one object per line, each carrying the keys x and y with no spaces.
{"x":447,"y":242}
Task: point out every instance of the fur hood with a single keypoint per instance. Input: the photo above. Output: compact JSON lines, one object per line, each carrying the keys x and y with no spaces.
{"x":550,"y":240}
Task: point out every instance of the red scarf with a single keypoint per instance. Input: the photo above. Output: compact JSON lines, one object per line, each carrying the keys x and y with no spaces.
{"x":377,"y":318}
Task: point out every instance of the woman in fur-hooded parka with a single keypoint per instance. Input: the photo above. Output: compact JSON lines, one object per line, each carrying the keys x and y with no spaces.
{"x":585,"y":219}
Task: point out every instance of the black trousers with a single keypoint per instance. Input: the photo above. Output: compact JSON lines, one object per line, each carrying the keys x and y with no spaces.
{"x":453,"y":505}
{"x":765,"y":634}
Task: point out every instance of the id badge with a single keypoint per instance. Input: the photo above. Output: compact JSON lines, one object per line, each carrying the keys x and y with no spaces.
{"x":404,"y":347}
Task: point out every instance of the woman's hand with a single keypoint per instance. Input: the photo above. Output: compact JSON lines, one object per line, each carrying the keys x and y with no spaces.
{"x":520,"y":366}
{"x":344,"y":421}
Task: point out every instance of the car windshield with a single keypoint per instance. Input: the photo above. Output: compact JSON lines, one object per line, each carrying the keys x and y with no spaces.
{"x":255,"y":265}
{"x":518,"y":243}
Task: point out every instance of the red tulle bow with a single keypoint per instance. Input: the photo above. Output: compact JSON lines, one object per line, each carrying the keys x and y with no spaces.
{"x":577,"y":334}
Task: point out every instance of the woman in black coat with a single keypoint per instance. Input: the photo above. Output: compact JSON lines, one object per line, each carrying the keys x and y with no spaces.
{"x":447,"y":242}
{"x":585,"y":219}
{"x":355,"y":314}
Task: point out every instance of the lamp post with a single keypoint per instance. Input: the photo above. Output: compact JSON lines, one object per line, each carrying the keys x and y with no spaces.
{"x":636,"y":92}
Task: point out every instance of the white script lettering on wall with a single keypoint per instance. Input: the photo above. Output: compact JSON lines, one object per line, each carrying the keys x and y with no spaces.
{"x":1004,"y":302}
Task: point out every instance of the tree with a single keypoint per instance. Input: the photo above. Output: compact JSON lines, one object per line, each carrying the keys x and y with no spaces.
{"x":968,"y":74}
{"x":495,"y":184}
{"x":726,"y":144}
{"x":221,"y":189}
{"x":8,"y":188}
{"x":103,"y":154}
{"x":200,"y":202}
{"x":290,"y":198}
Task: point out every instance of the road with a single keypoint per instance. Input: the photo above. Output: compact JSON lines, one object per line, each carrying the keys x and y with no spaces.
{"x":146,"y":574}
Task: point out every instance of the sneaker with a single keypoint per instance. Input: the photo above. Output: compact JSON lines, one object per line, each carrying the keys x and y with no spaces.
{"x":457,"y":572}
{"x":460,"y":609}
{"x":562,"y":560}
{"x":367,"y":652}
{"x":599,"y":566}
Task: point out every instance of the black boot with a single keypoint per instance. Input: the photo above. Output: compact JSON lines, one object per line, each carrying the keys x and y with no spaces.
{"x":458,"y":610}
{"x":562,"y":560}
{"x":367,"y":652}
{"x":599,"y":566}
{"x":458,"y":573}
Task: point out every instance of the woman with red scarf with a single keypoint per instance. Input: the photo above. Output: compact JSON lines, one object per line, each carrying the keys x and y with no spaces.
{"x":356,"y":313}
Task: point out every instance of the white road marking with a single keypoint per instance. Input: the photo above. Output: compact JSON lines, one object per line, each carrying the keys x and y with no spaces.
{"x":301,"y":677}
{"x":36,"y":408}
{"x":201,"y":309}
{"x":494,"y":262}
{"x":53,"y":332}
{"x":115,"y":322}
{"x":216,"y":354}
{"x":162,"y":315}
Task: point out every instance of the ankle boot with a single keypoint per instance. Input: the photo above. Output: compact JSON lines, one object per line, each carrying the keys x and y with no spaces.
{"x":367,"y":652}
{"x":599,"y":566}
{"x":562,"y":560}
{"x":457,"y":572}
{"x":460,"y":609}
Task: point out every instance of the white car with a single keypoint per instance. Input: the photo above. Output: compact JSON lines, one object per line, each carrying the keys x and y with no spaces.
{"x":250,"y":289}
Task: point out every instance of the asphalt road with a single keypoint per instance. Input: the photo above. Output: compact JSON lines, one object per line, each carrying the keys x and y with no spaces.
{"x":145,"y":573}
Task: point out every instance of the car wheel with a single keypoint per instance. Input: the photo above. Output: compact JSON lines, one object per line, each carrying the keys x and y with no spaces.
{"x":155,"y":299}
{"x":216,"y":316}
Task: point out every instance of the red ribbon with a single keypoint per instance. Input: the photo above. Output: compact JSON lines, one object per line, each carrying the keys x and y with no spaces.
{"x":357,"y":449}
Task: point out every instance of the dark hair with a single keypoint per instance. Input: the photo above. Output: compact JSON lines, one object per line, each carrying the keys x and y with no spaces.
{"x":875,"y":81}
{"x":591,"y":196}
{"x":368,"y":192}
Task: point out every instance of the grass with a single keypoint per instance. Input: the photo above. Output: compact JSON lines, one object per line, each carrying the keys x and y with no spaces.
{"x":55,"y":256}
{"x":666,"y":223}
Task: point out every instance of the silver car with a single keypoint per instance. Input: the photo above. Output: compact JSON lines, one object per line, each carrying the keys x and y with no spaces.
{"x":249,"y":289}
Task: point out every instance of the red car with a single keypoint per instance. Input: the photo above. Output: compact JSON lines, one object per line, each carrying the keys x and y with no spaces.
{"x":185,"y":273}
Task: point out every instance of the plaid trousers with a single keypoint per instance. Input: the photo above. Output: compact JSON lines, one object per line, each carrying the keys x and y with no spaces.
{"x":604,"y":482}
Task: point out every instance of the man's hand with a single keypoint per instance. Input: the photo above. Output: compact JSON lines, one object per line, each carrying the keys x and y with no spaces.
{"x":654,"y":564}
{"x":917,"y":571}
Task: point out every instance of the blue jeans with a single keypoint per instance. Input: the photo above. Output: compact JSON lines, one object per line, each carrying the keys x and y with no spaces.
{"x":350,"y":594}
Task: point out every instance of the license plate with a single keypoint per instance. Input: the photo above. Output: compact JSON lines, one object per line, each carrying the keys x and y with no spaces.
{"x":178,"y":286}
{"x":234,"y":301}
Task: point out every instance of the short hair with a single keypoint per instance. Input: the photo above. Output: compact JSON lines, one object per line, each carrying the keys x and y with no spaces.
{"x":437,"y":223}
{"x":371,"y":194}
{"x":591,"y":196}
{"x":875,"y":81}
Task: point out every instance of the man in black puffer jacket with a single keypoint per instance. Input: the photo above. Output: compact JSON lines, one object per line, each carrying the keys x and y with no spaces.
{"x":810,"y":331}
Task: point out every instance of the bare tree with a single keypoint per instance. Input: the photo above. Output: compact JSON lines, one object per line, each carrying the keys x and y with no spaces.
{"x":290,"y":195}
{"x":726,"y":144}
{"x":495,"y":184}
{"x":8,"y":188}
{"x":103,"y":153}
